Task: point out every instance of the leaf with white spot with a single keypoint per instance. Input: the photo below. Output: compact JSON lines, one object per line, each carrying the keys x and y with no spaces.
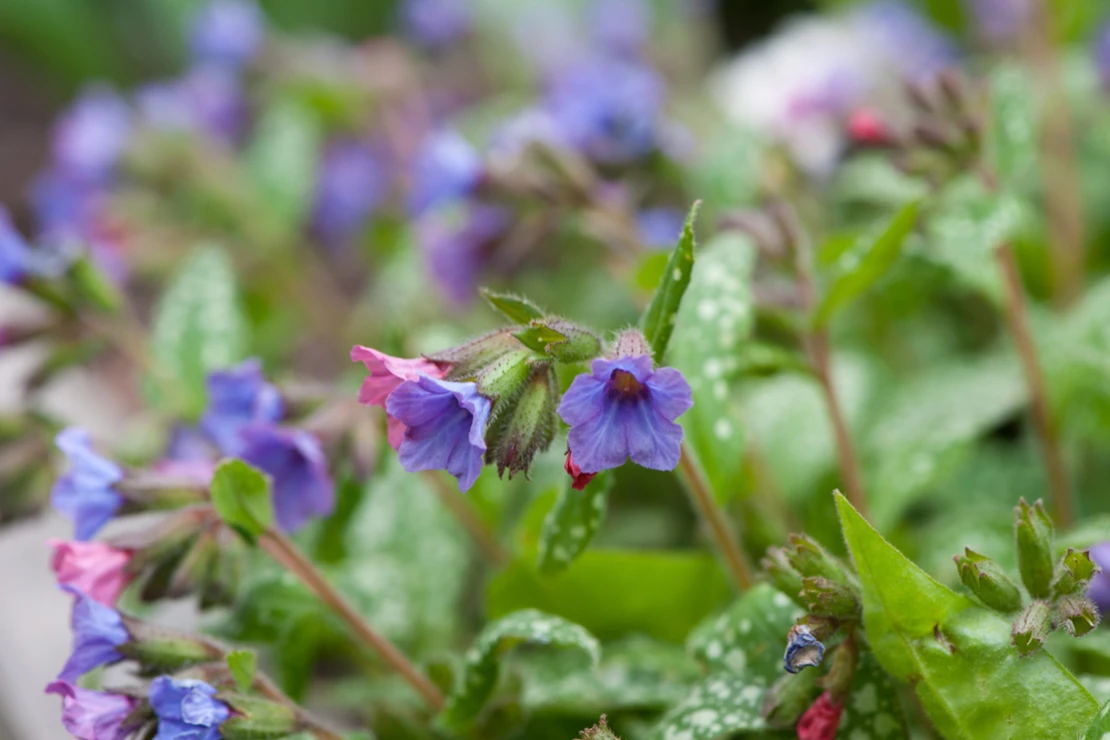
{"x":478,"y":676}
{"x":714,"y":321}
{"x":1012,"y":136}
{"x":572,"y":523}
{"x":659,"y":317}
{"x":872,"y":709}
{"x":722,"y":704}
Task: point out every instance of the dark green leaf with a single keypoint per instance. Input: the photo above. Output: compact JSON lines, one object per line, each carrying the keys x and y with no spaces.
{"x":872,"y":709}
{"x":748,"y":638}
{"x":243,"y":664}
{"x":516,"y":309}
{"x":241,"y":496}
{"x":659,"y":317}
{"x":572,"y":523}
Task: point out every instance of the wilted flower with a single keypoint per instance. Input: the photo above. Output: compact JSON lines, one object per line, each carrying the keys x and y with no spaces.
{"x":446,"y":427}
{"x":386,"y":373}
{"x":436,"y":23}
{"x":92,"y":715}
{"x":581,"y":480}
{"x":187,"y":709}
{"x":350,"y":184}
{"x":208,"y":100}
{"x":228,"y":32}
{"x":294,"y":460}
{"x":446,"y":169}
{"x":94,"y":568}
{"x":821,"y":720}
{"x":802,"y":649}
{"x":97,"y":631}
{"x":91,"y":135}
{"x":454,"y":242}
{"x":239,"y":397}
{"x":623,"y":409}
{"x":1099,"y":588}
{"x":86,"y":492}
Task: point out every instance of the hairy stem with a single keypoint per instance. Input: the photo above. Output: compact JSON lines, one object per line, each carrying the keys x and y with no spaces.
{"x":468,"y":519}
{"x":712,"y":515}
{"x":281,"y":549}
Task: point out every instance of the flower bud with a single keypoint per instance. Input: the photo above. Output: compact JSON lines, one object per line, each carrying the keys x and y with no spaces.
{"x":467,"y":360}
{"x":504,"y":378}
{"x":256,"y":719}
{"x":1034,"y":545}
{"x":811,"y":560}
{"x":600,"y":731}
{"x":527,"y":426}
{"x":802,"y":649}
{"x":827,"y":598}
{"x":560,"y":339}
{"x":821,"y":721}
{"x":782,"y":574}
{"x":630,"y":343}
{"x":1078,"y":614}
{"x":161,"y":650}
{"x":788,"y":697}
{"x":1032,"y":628}
{"x":1076,"y":570}
{"x":986,"y":579}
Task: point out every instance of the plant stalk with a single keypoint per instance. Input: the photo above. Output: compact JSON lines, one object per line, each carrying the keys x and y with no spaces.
{"x":711,"y":514}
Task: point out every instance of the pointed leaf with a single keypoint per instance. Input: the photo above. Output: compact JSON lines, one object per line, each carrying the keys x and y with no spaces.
{"x":658,"y":320}
{"x":242,"y":664}
{"x":241,"y":496}
{"x":572,"y":523}
{"x":516,"y":309}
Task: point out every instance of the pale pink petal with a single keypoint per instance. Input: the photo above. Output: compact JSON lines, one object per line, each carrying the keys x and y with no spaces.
{"x":95,"y":568}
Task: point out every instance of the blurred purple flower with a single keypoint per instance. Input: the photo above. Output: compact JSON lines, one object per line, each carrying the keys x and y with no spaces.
{"x":803,"y":650}
{"x":16,"y":256}
{"x":454,"y":242}
{"x":624,"y":409}
{"x":1102,"y":54}
{"x":998,"y":21}
{"x":227,"y":32}
{"x":92,"y":715}
{"x":188,"y":444}
{"x":208,"y":100}
{"x":187,"y":709}
{"x":350,"y":183}
{"x":71,"y":221}
{"x":532,"y":125}
{"x":303,"y":489}
{"x":446,"y":427}
{"x":906,"y":38}
{"x":237,"y":398}
{"x":621,"y":26}
{"x":1099,"y":589}
{"x":86,"y":492}
{"x":660,"y":227}
{"x":436,"y":24}
{"x":447,"y":168}
{"x":97,"y":631}
{"x":91,"y":135}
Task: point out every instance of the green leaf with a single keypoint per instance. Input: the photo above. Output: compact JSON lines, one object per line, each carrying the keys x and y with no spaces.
{"x":718,"y":706}
{"x":243,"y":664}
{"x":1100,"y":727}
{"x":281,"y":161}
{"x":242,"y":497}
{"x":538,"y":337}
{"x":861,"y":267}
{"x":516,"y":309}
{"x":659,"y":317}
{"x":479,"y":674}
{"x":572,"y":523}
{"x":1012,"y":136}
{"x":923,"y":632}
{"x":198,"y":326}
{"x":872,"y":709}
{"x":712,"y":324}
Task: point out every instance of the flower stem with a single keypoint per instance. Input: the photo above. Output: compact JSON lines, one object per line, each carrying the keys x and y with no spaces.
{"x":468,"y":519}
{"x":711,"y":514}
{"x":1018,"y":319}
{"x":281,"y":549}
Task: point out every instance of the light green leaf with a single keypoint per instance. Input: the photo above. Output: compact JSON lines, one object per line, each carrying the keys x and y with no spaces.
{"x":516,"y":309}
{"x":659,"y":317}
{"x":281,"y":161}
{"x":923,"y":632}
{"x":242,"y":664}
{"x":241,"y":496}
{"x":713,"y":322}
{"x":479,"y":674}
{"x":861,"y":267}
{"x":572,"y":523}
{"x":872,"y":709}
{"x":198,"y":326}
{"x":718,"y":706}
{"x":1100,"y":726}
{"x":1012,"y":133}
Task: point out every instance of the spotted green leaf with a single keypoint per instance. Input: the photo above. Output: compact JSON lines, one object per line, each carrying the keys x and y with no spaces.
{"x":722,"y":704}
{"x":714,"y":321}
{"x":241,"y":496}
{"x":572,"y":523}
{"x":281,"y":160}
{"x":862,"y":266}
{"x":198,"y":326}
{"x":478,"y":676}
{"x":872,"y":709}
{"x":1012,"y":134}
{"x":923,"y":632}
{"x":659,"y":317}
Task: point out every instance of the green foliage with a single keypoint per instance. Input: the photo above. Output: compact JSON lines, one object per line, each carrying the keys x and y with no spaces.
{"x":242,"y":497}
{"x":242,"y":664}
{"x":872,"y":708}
{"x":516,"y":309}
{"x":572,"y":523}
{"x":281,"y":162}
{"x":658,"y":320}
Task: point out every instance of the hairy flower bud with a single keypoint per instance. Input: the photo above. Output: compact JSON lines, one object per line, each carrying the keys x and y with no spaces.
{"x":811,"y":560}
{"x":782,"y":574}
{"x":827,"y":598}
{"x":986,"y":579}
{"x":630,"y":343}
{"x":1077,"y":614}
{"x":560,"y":339}
{"x":1032,"y":628}
{"x":467,"y":360}
{"x":1034,"y":545}
{"x":504,"y":378}
{"x":527,"y":426}
{"x":161,"y":650}
{"x":1076,"y":570}
{"x":254,"y":718}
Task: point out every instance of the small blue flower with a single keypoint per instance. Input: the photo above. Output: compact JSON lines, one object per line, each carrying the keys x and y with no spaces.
{"x":86,"y":492}
{"x":660,"y":227}
{"x":296,"y":463}
{"x":237,"y":398}
{"x":227,"y":32}
{"x":447,"y":168}
{"x":624,"y":409}
{"x":187,"y":709}
{"x":90,"y":137}
{"x":350,"y":184}
{"x":97,"y":631}
{"x":15,"y":253}
{"x":454,"y":242}
{"x":802,"y":649}
{"x":446,"y":427}
{"x":436,"y":24}
{"x":208,"y":101}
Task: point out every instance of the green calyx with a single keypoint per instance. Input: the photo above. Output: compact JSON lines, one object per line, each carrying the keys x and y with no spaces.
{"x":986,"y":579}
{"x":526,"y":425}
{"x":1034,"y":545}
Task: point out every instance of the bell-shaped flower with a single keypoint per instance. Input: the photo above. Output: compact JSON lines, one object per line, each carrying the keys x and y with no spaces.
{"x":92,"y":715}
{"x":302,"y":487}
{"x":237,"y":398}
{"x":86,"y":492}
{"x":386,"y":373}
{"x":98,"y":631}
{"x":187,"y":709}
{"x":94,"y":568}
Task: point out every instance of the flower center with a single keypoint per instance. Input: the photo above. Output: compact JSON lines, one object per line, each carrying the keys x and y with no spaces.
{"x":624,"y":383}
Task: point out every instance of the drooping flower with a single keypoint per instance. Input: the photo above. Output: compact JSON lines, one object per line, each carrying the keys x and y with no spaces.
{"x":208,"y":101}
{"x":1099,"y":588}
{"x":803,"y":650}
{"x":447,"y":168}
{"x":227,"y":32}
{"x":97,"y":631}
{"x":238,"y":397}
{"x":350,"y":184}
{"x":446,"y":427}
{"x":92,"y":715}
{"x":294,"y":460}
{"x":454,"y":242}
{"x":86,"y":492}
{"x":436,"y":24}
{"x":660,"y":227}
{"x":187,"y":709}
{"x":624,"y":409}
{"x":94,"y":568}
{"x":580,"y":479}
{"x":386,"y":373}
{"x":821,"y":720}
{"x":90,"y":137}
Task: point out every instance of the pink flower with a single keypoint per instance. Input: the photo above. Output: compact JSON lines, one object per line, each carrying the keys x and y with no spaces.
{"x":821,"y":720}
{"x":95,"y":568}
{"x":386,"y":373}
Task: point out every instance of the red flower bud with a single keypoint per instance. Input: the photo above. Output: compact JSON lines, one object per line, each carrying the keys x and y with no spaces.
{"x":821,"y":720}
{"x":581,"y":480}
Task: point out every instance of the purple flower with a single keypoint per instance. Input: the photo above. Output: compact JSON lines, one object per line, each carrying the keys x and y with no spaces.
{"x":1099,"y":588}
{"x":802,"y":649}
{"x":90,"y":137}
{"x":97,"y":631}
{"x":238,"y":398}
{"x":446,"y":427}
{"x":86,"y":493}
{"x":436,"y":24}
{"x":187,"y":709}
{"x":622,"y":26}
{"x":294,"y":460}
{"x":454,"y":242}
{"x":227,"y":32}
{"x":447,"y":168}
{"x":912,"y":44}
{"x":660,"y":227}
{"x":1102,"y":54}
{"x":92,"y":715}
{"x":15,"y":254}
{"x":350,"y":184}
{"x":208,"y":100}
{"x":623,"y":409}
{"x":999,"y":20}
